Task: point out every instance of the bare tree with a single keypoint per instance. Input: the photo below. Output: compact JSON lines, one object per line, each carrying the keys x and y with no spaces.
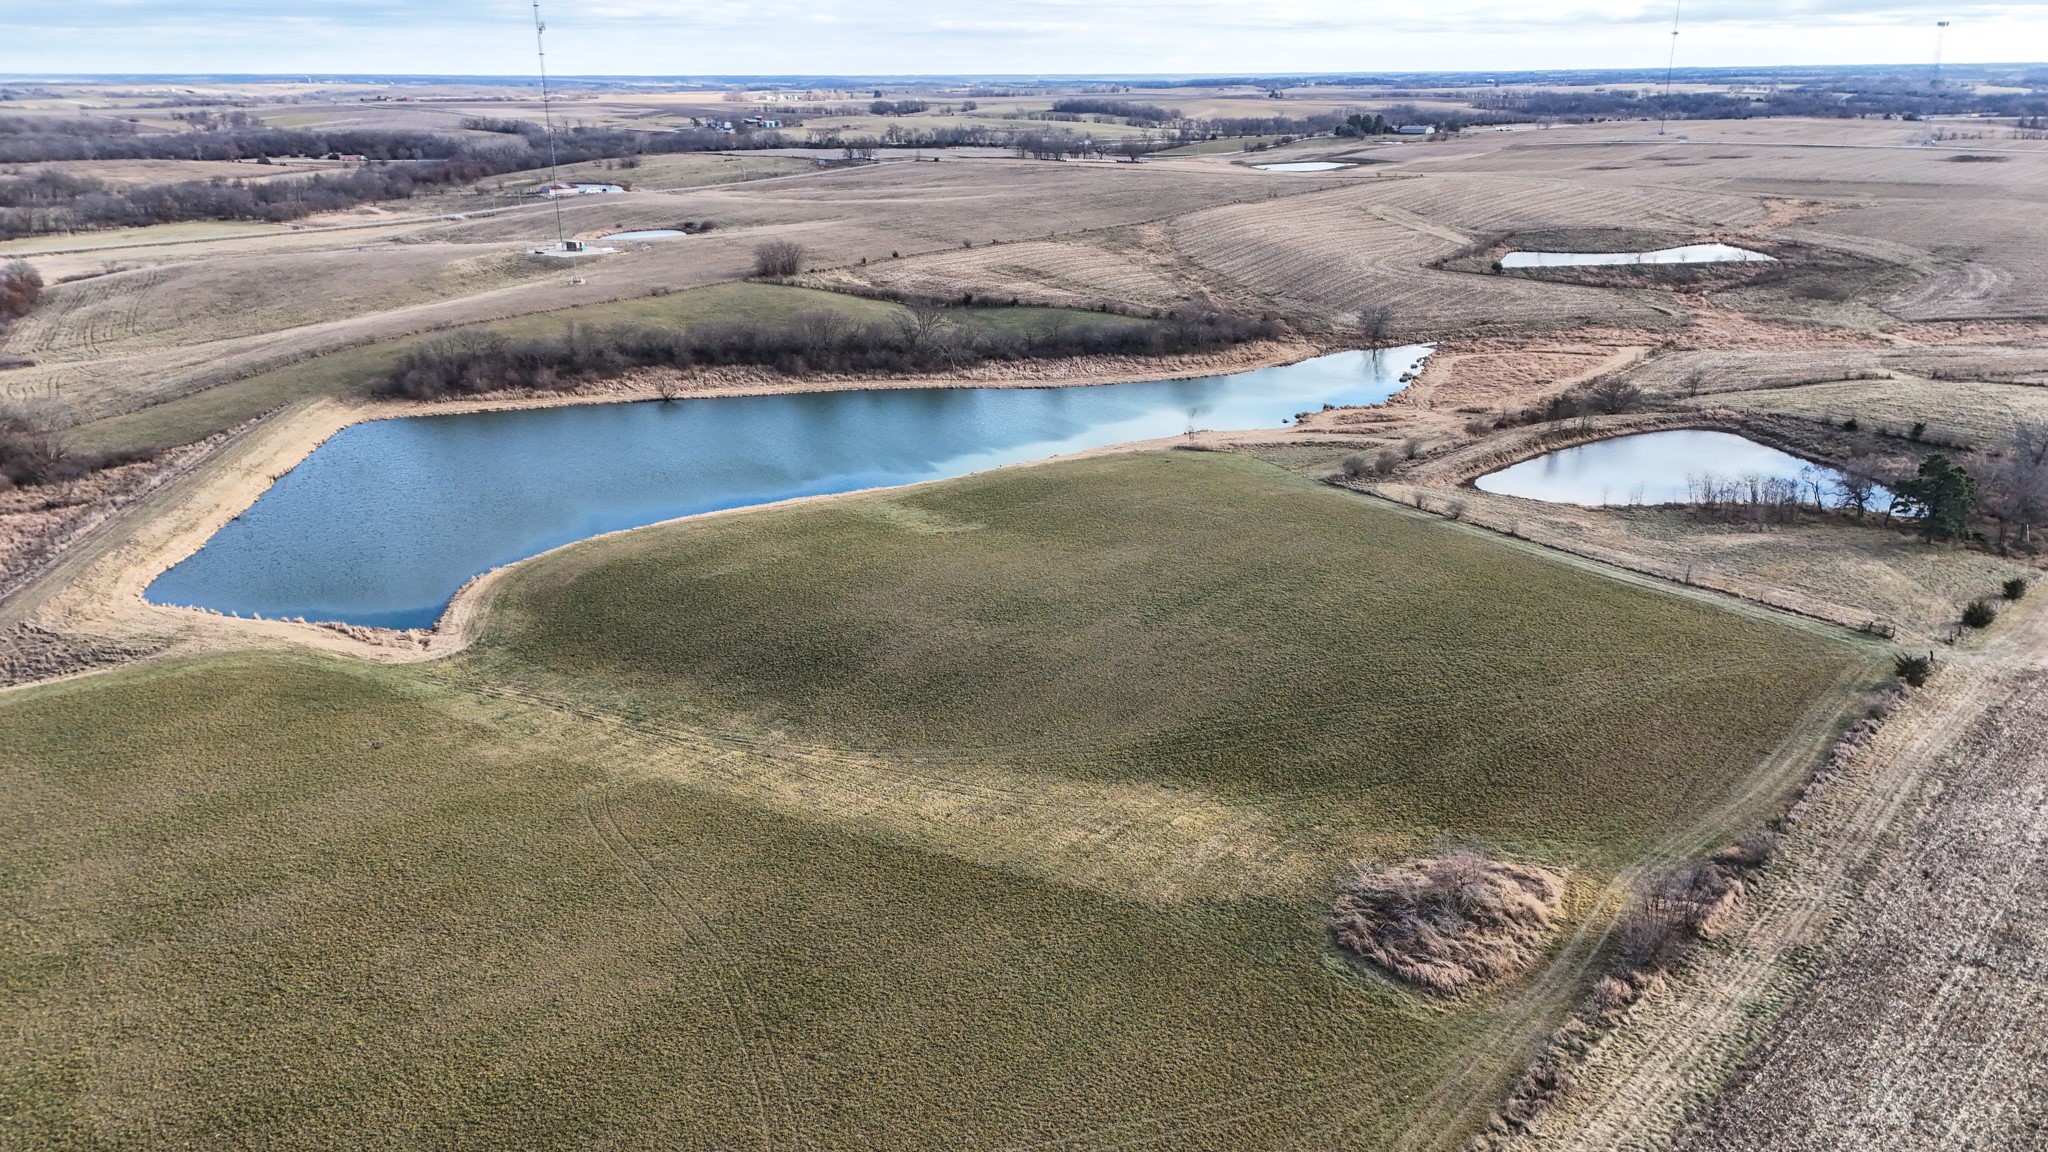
{"x":821,"y":330}
{"x":922,"y":323}
{"x":1374,"y":321}
{"x":778,"y":258}
{"x":1615,"y":395}
{"x":2018,"y":492}
{"x":20,"y":287}
{"x":1134,"y":148}
{"x":1855,"y":491}
{"x":31,"y":448}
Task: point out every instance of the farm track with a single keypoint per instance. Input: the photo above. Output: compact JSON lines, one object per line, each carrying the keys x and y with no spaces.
{"x":1150,"y":843}
{"x":1442,"y":1124}
{"x":1682,"y":1043}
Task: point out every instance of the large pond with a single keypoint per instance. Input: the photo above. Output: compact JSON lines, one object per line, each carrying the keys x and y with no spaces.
{"x":1304,"y":166}
{"x":1685,"y":254}
{"x":385,"y":522}
{"x":1658,"y":468}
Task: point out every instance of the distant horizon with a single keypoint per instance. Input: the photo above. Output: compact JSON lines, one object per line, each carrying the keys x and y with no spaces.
{"x":1006,"y":38}
{"x":1249,"y":78}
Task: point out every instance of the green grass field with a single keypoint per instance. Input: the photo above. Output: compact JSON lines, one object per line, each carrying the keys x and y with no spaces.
{"x":994,"y":813}
{"x":355,"y":371}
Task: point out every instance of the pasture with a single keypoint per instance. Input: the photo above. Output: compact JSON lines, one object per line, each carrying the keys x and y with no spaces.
{"x":1000,"y":811}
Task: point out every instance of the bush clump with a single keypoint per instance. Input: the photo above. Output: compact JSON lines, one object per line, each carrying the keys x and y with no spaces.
{"x":1448,"y":922}
{"x":925,"y":339}
{"x":1979,"y":614}
{"x":2014,"y":589}
{"x":1913,"y":668}
{"x":20,"y":287}
{"x":32,"y":452}
{"x":778,"y":258}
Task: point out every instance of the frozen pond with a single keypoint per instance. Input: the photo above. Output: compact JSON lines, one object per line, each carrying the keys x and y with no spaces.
{"x":648,"y":234}
{"x":1687,"y":254}
{"x":1303,"y":166}
{"x":386,"y":520}
{"x":1656,"y":468}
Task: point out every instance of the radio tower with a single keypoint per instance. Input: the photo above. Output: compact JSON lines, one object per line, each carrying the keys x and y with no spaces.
{"x":1670,"y":63}
{"x":547,"y":112}
{"x":1940,"y":31}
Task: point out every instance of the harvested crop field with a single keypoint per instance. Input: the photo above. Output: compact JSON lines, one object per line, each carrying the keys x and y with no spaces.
{"x":1958,"y":412}
{"x":1927,"y":1028}
{"x":836,"y":825}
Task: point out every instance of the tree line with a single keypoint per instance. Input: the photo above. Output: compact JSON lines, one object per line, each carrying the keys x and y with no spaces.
{"x":1128,"y":111}
{"x":47,"y":202}
{"x":925,"y":338}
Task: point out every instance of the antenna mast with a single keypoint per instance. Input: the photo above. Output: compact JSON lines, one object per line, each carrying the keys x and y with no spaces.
{"x":1670,"y":63}
{"x":547,"y":113}
{"x":1940,"y":31}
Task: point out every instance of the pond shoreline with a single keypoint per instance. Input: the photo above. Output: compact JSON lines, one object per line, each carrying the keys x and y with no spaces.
{"x":100,"y":592}
{"x":380,"y":525}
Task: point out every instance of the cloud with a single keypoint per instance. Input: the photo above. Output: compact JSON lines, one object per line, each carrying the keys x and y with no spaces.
{"x":646,"y":37}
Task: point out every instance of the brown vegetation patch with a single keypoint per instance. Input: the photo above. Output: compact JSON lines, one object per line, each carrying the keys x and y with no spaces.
{"x":29,"y":654}
{"x":1450,"y":922}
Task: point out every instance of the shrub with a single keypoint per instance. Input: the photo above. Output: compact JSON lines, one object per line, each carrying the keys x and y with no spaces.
{"x":817,"y":340}
{"x":2014,"y":589}
{"x":1385,"y":463}
{"x":1356,"y":465}
{"x":778,"y":258}
{"x":1411,"y":448}
{"x":1979,"y":614}
{"x":1614,"y":396}
{"x":20,"y":287}
{"x":1913,"y":668}
{"x":33,"y":453}
{"x":1674,"y":909}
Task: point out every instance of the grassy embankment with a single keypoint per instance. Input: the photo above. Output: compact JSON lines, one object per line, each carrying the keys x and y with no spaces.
{"x":996,"y":812}
{"x":357,"y":370}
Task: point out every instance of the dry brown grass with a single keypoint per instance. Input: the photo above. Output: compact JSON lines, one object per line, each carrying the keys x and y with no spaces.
{"x":1448,"y":923}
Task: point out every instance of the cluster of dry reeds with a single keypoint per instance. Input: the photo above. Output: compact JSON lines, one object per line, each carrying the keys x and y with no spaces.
{"x":1449,"y":922}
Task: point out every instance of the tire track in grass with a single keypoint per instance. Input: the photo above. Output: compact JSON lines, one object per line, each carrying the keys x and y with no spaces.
{"x":743,"y":1021}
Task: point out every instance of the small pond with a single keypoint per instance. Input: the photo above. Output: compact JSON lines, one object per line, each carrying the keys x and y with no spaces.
{"x":648,"y":234}
{"x":1303,"y":166}
{"x":383,"y":523}
{"x":1656,"y":468}
{"x":1686,"y":254}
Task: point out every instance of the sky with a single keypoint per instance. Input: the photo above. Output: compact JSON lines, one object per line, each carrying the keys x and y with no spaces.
{"x":990,"y":37}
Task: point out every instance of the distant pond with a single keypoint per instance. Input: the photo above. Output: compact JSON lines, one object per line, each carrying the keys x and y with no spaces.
{"x":383,"y":523}
{"x":1686,"y":254}
{"x":1304,"y":166}
{"x":1658,"y":468}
